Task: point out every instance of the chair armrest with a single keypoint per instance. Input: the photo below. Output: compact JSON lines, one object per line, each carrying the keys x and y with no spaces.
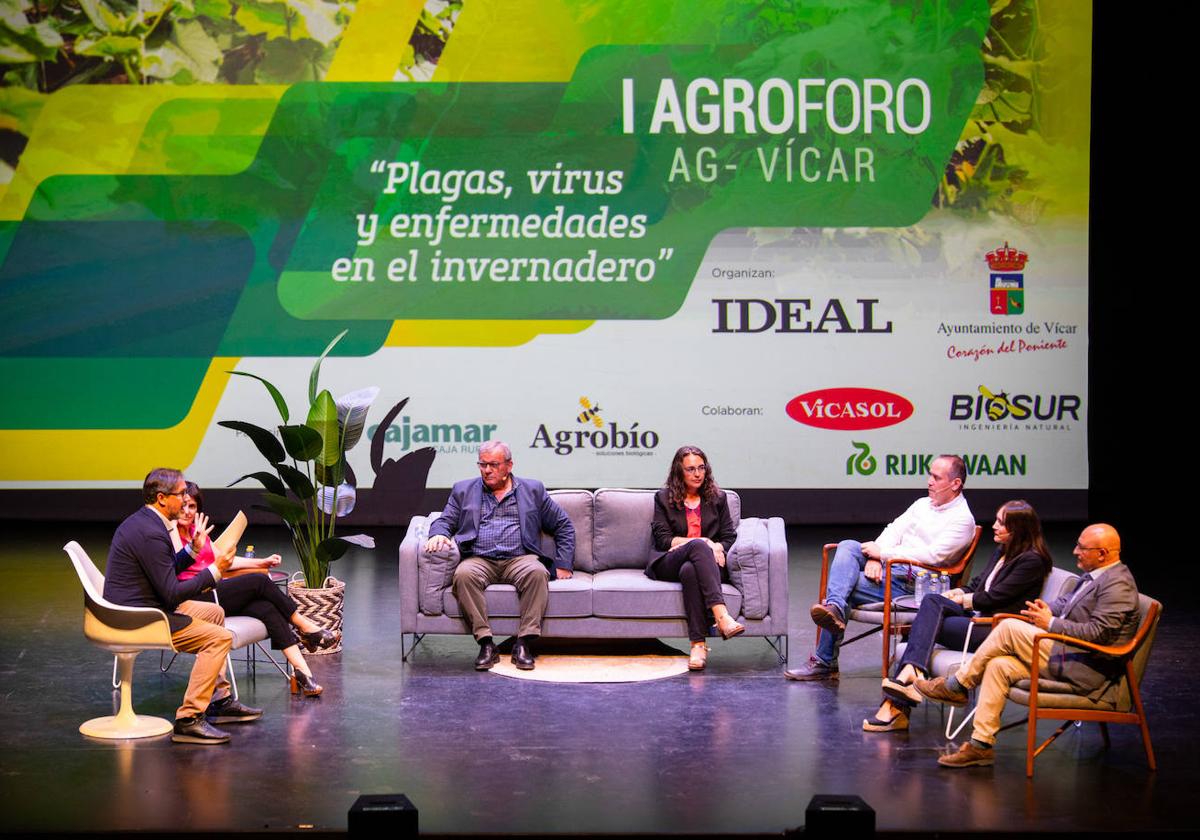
{"x":824,"y":585}
{"x":999,"y":616}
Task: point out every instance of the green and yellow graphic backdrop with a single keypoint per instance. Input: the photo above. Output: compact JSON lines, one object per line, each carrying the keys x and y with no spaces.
{"x":191,"y":183}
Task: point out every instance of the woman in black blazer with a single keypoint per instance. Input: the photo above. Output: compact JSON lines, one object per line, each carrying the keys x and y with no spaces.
{"x":692,"y":533}
{"x":1014,"y":575}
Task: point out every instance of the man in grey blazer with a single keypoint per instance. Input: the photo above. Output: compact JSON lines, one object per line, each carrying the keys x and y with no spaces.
{"x":496,"y":522}
{"x":1102,"y":609}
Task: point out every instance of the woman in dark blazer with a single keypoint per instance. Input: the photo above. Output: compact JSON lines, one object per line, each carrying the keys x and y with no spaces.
{"x":692,"y":533}
{"x":1014,"y":575}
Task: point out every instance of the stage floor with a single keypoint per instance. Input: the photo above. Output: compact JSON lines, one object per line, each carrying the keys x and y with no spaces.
{"x":735,"y":749}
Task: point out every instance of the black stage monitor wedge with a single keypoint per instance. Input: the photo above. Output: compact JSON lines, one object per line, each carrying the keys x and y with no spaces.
{"x":838,"y":816}
{"x":379,"y":812}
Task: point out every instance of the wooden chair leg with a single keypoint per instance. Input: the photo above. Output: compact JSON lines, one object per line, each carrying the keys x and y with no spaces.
{"x":1141,"y":713}
{"x":1030,"y":753}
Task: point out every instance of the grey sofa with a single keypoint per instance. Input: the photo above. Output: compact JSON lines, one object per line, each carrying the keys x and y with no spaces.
{"x":609,"y":596}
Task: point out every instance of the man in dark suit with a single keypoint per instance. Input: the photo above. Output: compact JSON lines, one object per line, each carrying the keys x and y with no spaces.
{"x":1102,"y":609}
{"x":498,"y":535}
{"x":142,"y":571}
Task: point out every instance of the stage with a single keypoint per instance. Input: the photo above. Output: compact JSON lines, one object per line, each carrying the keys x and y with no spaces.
{"x":736,"y":749}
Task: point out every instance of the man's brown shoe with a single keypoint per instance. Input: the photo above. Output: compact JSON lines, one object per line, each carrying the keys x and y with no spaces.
{"x":828,"y":617}
{"x":937,"y":691}
{"x":969,"y":755}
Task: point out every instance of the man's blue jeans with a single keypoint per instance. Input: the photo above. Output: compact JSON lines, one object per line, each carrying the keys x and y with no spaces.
{"x":849,"y":587}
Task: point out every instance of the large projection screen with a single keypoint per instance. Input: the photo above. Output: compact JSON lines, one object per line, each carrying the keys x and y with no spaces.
{"x":823,"y":241}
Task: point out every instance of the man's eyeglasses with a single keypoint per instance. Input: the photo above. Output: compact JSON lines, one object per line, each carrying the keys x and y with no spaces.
{"x":490,"y":465}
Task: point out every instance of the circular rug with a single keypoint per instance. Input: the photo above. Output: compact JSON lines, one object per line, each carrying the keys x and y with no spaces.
{"x":591,"y":662}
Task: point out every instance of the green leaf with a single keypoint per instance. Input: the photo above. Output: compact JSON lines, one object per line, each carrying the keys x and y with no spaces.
{"x":301,"y":442}
{"x":280,"y":402}
{"x":320,"y":19}
{"x":22,"y":41}
{"x":287,"y":62}
{"x":290,"y":511}
{"x":102,"y":17}
{"x":331,"y":476}
{"x":316,"y":370}
{"x":268,"y":480}
{"x":267,"y":443}
{"x":297,"y":481}
{"x":268,"y":19}
{"x":331,"y":549}
{"x":323,"y":418}
{"x":109,"y":46}
{"x":352,"y":414}
{"x":189,"y":54}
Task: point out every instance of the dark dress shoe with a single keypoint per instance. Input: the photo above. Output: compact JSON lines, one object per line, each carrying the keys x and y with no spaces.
{"x":488,"y":656}
{"x":302,"y":683}
{"x":197,"y":730}
{"x":813,"y":670}
{"x":522,"y":657}
{"x":228,"y":710}
{"x":320,"y":639}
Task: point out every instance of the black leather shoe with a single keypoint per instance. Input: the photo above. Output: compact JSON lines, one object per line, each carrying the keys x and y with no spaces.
{"x":197,"y":730}
{"x":319,"y":639}
{"x":488,"y":656}
{"x":522,"y":656}
{"x":228,"y":710}
{"x":302,"y":683}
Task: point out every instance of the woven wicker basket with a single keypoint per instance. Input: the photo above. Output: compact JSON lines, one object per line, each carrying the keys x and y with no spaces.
{"x":323,"y":606}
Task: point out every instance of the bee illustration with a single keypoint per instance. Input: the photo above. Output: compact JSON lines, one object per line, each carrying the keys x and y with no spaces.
{"x":589,"y":414}
{"x":996,"y":404}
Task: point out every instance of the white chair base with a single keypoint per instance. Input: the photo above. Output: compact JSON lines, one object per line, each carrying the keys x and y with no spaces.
{"x":125,"y":724}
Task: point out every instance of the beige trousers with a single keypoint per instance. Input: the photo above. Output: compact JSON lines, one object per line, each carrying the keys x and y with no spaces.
{"x":206,"y":637}
{"x":1002,"y":661}
{"x":474,"y":574}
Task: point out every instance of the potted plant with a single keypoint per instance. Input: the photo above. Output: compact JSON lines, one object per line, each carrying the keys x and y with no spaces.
{"x":311,"y":485}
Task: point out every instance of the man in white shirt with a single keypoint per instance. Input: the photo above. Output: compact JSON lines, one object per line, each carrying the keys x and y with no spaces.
{"x":934,"y":530}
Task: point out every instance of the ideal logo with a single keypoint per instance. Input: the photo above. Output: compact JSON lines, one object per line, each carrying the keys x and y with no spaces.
{"x":997,"y":406}
{"x":1006,"y":283}
{"x":862,"y":462}
{"x":849,"y":409}
{"x":604,"y":440}
{"x":797,"y":315}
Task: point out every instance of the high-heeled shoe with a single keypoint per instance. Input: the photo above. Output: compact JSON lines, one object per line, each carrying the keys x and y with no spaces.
{"x":320,"y":638}
{"x":698,"y":658}
{"x":730,"y":628}
{"x":302,"y":683}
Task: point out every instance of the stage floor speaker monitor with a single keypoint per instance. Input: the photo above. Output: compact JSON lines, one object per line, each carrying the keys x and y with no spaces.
{"x":379,"y":812}
{"x":838,"y":816}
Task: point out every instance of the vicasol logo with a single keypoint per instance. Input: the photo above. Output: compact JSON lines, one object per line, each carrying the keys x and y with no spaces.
{"x":595,"y":432}
{"x":863,"y":462}
{"x":849,"y":409}
{"x":988,"y":408}
{"x":449,"y":438}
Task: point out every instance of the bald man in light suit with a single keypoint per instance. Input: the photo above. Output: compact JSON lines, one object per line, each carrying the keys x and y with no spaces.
{"x":1102,"y":609}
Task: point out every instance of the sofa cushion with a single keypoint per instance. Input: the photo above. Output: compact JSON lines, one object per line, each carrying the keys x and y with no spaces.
{"x":749,"y":567}
{"x":434,"y":571}
{"x":570,"y":598}
{"x":622,"y":529}
{"x":578,"y":506}
{"x":628,"y":593}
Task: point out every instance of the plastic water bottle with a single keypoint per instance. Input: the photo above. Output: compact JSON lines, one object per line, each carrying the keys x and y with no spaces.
{"x":943,"y":583}
{"x":249,"y":552}
{"x":922,"y":586}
